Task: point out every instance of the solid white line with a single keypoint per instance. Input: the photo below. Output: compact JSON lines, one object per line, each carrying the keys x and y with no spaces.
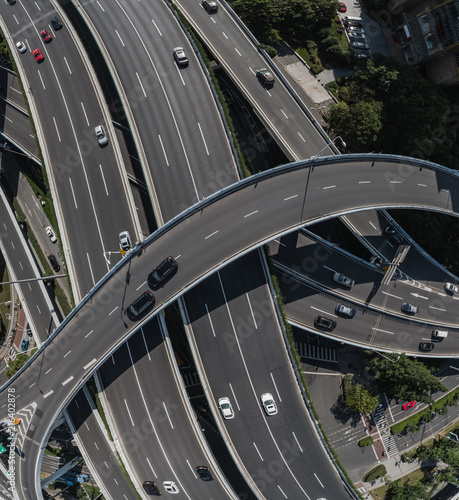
{"x":373,"y":226}
{"x":68,"y":67}
{"x":31,"y":385}
{"x":238,"y":52}
{"x":282,"y":111}
{"x":191,"y":468}
{"x":235,"y":398}
{"x":422,"y":185}
{"x":383,"y":331}
{"x":164,"y":151}
{"x":145,"y":344}
{"x":153,"y":470}
{"x":210,"y":319}
{"x":301,"y":449}
{"x":42,"y":82}
{"x":364,"y":182}
{"x":318,"y":480}
{"x":121,"y":40}
{"x":90,"y":268}
{"x":160,"y":34}
{"x":325,"y":312}
{"x":103,"y":178}
{"x":259,"y":454}
{"x":57,"y":130}
{"x":129,"y":413}
{"x":280,"y":489}
{"x":65,"y":382}
{"x":210,"y":235}
{"x":291,"y":197}
{"x":329,"y":187}
{"x":251,"y":311}
{"x":98,"y":3}
{"x":39,"y":311}
{"x":7,"y":118}
{"x":396,"y":296}
{"x":110,"y":313}
{"x":140,"y":83}
{"x":84,"y":112}
{"x":167,"y":413}
{"x":73,"y":194}
{"x":224,"y":34}
{"x":437,"y":308}
{"x":395,"y":182}
{"x":85,"y":367}
{"x":301,"y":137}
{"x":251,"y":213}
{"x":67,"y":354}
{"x":48,"y":394}
{"x":141,"y":286}
{"x":203,"y":139}
{"x":95,"y":444}
{"x":275,"y":387}
{"x":86,"y":336}
{"x":46,"y":372}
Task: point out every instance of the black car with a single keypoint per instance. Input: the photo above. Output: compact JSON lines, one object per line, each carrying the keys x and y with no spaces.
{"x":393,"y":234}
{"x":204,"y":473}
{"x":140,"y":305}
{"x":325,"y":323}
{"x":265,"y":77}
{"x":55,"y":23}
{"x":426,"y":346}
{"x":53,"y":261}
{"x":211,"y":6}
{"x":163,"y":272}
{"x":11,"y":2}
{"x":151,"y":488}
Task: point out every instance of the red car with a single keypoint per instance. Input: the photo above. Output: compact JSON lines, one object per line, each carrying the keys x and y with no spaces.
{"x":342,"y":7}
{"x":38,"y":55}
{"x":409,"y":405}
{"x":46,"y":36}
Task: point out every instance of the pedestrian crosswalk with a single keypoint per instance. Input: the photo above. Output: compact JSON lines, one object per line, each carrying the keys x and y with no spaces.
{"x":384,"y":430}
{"x":319,"y":352}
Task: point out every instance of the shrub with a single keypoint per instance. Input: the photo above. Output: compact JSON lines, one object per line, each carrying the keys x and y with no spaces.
{"x":271,"y":51}
{"x":378,"y":471}
{"x":367,"y":441}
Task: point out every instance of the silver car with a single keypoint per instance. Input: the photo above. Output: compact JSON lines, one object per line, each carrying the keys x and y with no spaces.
{"x":125,"y":241}
{"x":268,"y":403}
{"x":101,"y":135}
{"x":343,"y":280}
{"x":226,"y":408}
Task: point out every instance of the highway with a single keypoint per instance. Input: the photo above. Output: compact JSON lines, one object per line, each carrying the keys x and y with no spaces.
{"x":261,"y":208}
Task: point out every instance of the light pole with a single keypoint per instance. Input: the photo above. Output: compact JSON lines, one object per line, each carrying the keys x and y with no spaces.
{"x":6,"y":147}
{"x":321,"y":110}
{"x":328,"y":144}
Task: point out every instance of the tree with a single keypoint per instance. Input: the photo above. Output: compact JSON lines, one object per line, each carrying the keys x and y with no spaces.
{"x":399,"y":491}
{"x":401,"y":377}
{"x":447,"y":451}
{"x":15,"y":365}
{"x":361,"y":398}
{"x":446,"y":475}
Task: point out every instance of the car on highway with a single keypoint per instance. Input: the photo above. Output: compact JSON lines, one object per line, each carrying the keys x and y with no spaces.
{"x":170,"y":487}
{"x":55,"y":23}
{"x":21,"y":47}
{"x":11,"y":2}
{"x":180,"y":57}
{"x":268,"y":403}
{"x":389,"y":230}
{"x":426,"y":346}
{"x":50,"y":233}
{"x":360,"y":45}
{"x":210,"y":6}
{"x":24,"y":345}
{"x":342,"y":7}
{"x":140,"y":305}
{"x":409,"y":405}
{"x":163,"y":272}
{"x":53,"y":261}
{"x":350,"y":312}
{"x":450,"y":288}
{"x":325,"y":323}
{"x":125,"y":241}
{"x":45,"y":35}
{"x":151,"y":488}
{"x":265,"y":76}
{"x":226,"y":408}
{"x":409,"y":308}
{"x":343,"y":280}
{"x":101,"y":135}
{"x":38,"y":55}
{"x":204,"y":473}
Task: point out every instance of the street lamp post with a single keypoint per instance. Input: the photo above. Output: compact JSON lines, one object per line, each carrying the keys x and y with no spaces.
{"x":328,"y":144}
{"x":7,"y":147}
{"x":321,"y":110}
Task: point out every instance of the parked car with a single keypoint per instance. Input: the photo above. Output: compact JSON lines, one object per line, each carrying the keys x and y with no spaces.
{"x":450,"y":288}
{"x":354,"y":29}
{"x":342,"y":7}
{"x":345,"y":310}
{"x":357,"y":37}
{"x":343,"y":280}
{"x":426,"y":346}
{"x":349,"y":22}
{"x":204,"y":473}
{"x":45,"y":35}
{"x":151,"y":488}
{"x":226,"y":408}
{"x":409,"y":405}
{"x":24,"y":345}
{"x":180,"y":56}
{"x":53,"y":261}
{"x":38,"y":55}
{"x":50,"y":233}
{"x":125,"y":241}
{"x":170,"y":487}
{"x":210,"y":6}
{"x":101,"y":135}
{"x":409,"y":308}
{"x":360,"y":46}
{"x":325,"y":323}
{"x":140,"y":305}
{"x":163,"y":272}
{"x":265,"y":76}
{"x":268,"y":403}
{"x":21,"y":47}
{"x":55,"y":23}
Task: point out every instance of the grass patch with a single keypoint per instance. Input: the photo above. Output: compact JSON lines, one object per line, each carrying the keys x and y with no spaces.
{"x":127,"y":476}
{"x":420,"y":475}
{"x":5,"y":296}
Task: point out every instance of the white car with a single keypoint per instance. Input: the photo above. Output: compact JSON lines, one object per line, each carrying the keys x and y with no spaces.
{"x":101,"y":135}
{"x":226,"y":408}
{"x":21,"y":47}
{"x":170,"y":487}
{"x":51,"y":235}
{"x":268,"y":403}
{"x":125,"y":241}
{"x":180,"y":56}
{"x":449,"y":287}
{"x":343,"y":280}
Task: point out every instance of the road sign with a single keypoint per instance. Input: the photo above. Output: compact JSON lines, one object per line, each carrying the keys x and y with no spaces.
{"x":453,"y":437}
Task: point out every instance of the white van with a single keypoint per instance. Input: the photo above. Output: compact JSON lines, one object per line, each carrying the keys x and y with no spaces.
{"x":352,"y":18}
{"x":440,"y":334}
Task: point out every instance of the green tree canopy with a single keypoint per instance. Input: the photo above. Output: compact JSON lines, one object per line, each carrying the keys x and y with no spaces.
{"x":447,"y":451}
{"x":361,"y":398}
{"x":401,"y":491}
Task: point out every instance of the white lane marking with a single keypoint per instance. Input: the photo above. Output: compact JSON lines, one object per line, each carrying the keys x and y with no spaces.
{"x":419,"y":296}
{"x":95,"y":444}
{"x":329,"y":187}
{"x":259,"y":454}
{"x":20,"y":263}
{"x":437,"y":308}
{"x":251,"y":213}
{"x":325,"y":312}
{"x":445,"y":190}
{"x":113,"y":359}
{"x":234,"y":397}
{"x":282,"y":491}
{"x":39,"y":310}
{"x":84,"y":112}
{"x":77,"y":405}
{"x":224,"y":34}
{"x":364,"y":182}
{"x":68,"y":67}
{"x":141,"y":85}
{"x":395,"y":182}
{"x":73,"y":194}
{"x":87,"y":427}
{"x":42,"y":82}
{"x":203,"y":139}
{"x":302,"y":137}
{"x":86,"y":336}
{"x":129,"y":413}
{"x":90,"y":269}
{"x":48,"y":394}
{"x":238,"y":51}
{"x":12,"y":244}
{"x":57,"y":130}
{"x":65,"y":382}
{"x":297,"y":442}
{"x":396,"y":296}
{"x":318,"y":480}
{"x":251,"y":311}
{"x":38,"y":7}
{"x":210,"y":319}
{"x":383,"y":331}
{"x":282,"y":111}
{"x":210,"y":235}
{"x":164,"y":151}
{"x":275,"y":387}
{"x":422,"y":185}
{"x":151,"y":467}
{"x":47,"y":371}
{"x":167,"y":413}
{"x":103,"y":178}
{"x":7,"y":118}
{"x":373,"y":226}
{"x":121,"y":40}
{"x":110,"y":313}
{"x":279,"y":243}
{"x":65,"y":355}
{"x":141,"y":286}
{"x":441,"y":294}
{"x":191,"y":468}
{"x":155,"y":25}
{"x":31,"y":385}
